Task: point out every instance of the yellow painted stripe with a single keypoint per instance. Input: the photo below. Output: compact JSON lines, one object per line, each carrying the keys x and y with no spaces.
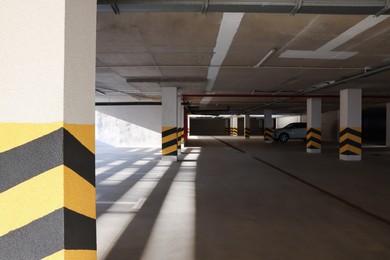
{"x":80,"y":195}
{"x":311,"y":143}
{"x":165,"y":128}
{"x":351,"y":148}
{"x":351,"y":137}
{"x":169,"y":138}
{"x":314,"y":135}
{"x":73,"y":255}
{"x":169,"y":149}
{"x":43,"y":194}
{"x":85,"y":133}
{"x":31,"y":200}
{"x":16,"y":134}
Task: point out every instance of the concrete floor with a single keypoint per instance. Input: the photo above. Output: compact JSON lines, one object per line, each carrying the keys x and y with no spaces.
{"x":230,"y":198}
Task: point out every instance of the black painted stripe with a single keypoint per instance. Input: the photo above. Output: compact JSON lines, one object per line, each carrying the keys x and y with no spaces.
{"x":169,"y":132}
{"x":42,"y":154}
{"x":29,"y":160}
{"x":348,"y":152}
{"x":80,"y":231}
{"x":312,"y":130}
{"x":350,"y":142}
{"x":78,"y":158}
{"x":174,"y":153}
{"x":46,"y":236}
{"x":313,"y":139}
{"x":170,"y":143}
{"x":350,"y":131}
{"x":312,"y":147}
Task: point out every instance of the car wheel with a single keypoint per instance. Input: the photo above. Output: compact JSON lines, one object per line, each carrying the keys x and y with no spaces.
{"x":283,"y":137}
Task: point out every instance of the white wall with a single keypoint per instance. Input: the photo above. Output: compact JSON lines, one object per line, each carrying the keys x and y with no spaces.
{"x":285,"y":120}
{"x":128,"y":126}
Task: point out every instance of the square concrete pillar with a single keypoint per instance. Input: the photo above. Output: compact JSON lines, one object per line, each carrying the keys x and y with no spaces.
{"x":47,"y":113}
{"x":234,"y":125}
{"x":268,"y":126}
{"x":247,"y":126}
{"x":313,"y":135}
{"x":169,"y":124}
{"x":350,"y":124}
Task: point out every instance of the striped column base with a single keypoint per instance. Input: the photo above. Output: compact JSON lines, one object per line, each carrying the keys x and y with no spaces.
{"x":227,"y":130}
{"x":247,"y":133}
{"x":169,"y":143}
{"x":234,"y":131}
{"x":350,"y":144}
{"x":48,"y":185}
{"x":178,"y":141}
{"x":313,"y":140}
{"x":268,"y":135}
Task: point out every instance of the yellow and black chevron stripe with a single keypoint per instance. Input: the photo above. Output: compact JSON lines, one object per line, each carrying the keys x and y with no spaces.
{"x":350,"y":141}
{"x":169,"y":140}
{"x":227,"y":130}
{"x":234,"y":131}
{"x":268,"y":134}
{"x":181,"y":135}
{"x":313,"y":138}
{"x":48,"y":191}
{"x":247,"y":133}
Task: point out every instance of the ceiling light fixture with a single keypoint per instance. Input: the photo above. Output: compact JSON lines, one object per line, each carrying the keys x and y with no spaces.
{"x":266,"y":57}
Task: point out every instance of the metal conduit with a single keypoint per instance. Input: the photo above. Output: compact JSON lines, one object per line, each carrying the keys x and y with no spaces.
{"x":374,"y":7}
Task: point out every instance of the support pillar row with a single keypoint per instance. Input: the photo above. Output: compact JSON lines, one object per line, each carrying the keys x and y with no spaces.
{"x":47,"y":160}
{"x":350,"y":124}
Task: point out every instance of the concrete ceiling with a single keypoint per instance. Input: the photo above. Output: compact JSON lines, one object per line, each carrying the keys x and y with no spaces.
{"x":216,"y":53}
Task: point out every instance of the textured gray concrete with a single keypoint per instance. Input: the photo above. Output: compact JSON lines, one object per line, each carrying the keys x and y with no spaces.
{"x":262,"y":201}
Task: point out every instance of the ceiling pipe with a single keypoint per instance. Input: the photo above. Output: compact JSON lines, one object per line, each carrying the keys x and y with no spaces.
{"x":242,"y":6}
{"x":276,"y":96}
{"x":265,"y":58}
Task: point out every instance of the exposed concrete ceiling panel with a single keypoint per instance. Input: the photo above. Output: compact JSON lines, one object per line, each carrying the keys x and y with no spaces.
{"x":140,"y":53}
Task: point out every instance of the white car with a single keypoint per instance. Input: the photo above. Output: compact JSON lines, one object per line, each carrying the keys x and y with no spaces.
{"x":290,"y":131}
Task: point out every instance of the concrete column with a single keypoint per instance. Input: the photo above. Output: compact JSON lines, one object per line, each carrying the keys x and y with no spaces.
{"x":179,"y":120}
{"x":180,"y":123}
{"x":268,"y":126}
{"x":188,"y":125}
{"x":313,"y":136}
{"x":234,"y":125}
{"x":350,"y":124}
{"x":185,"y":125}
{"x":47,"y":161}
{"x":169,"y":123}
{"x":388,"y":124}
{"x":247,"y":126}
{"x":227,"y":126}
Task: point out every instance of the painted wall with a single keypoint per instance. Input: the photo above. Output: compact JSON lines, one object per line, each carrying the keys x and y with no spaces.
{"x":285,"y":120}
{"x":128,"y":126}
{"x":204,"y":126}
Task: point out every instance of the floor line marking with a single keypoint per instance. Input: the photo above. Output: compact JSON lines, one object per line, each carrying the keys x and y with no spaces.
{"x":315,"y":187}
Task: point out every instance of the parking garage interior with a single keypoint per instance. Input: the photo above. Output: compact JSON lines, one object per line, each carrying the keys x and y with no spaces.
{"x":147,"y":130}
